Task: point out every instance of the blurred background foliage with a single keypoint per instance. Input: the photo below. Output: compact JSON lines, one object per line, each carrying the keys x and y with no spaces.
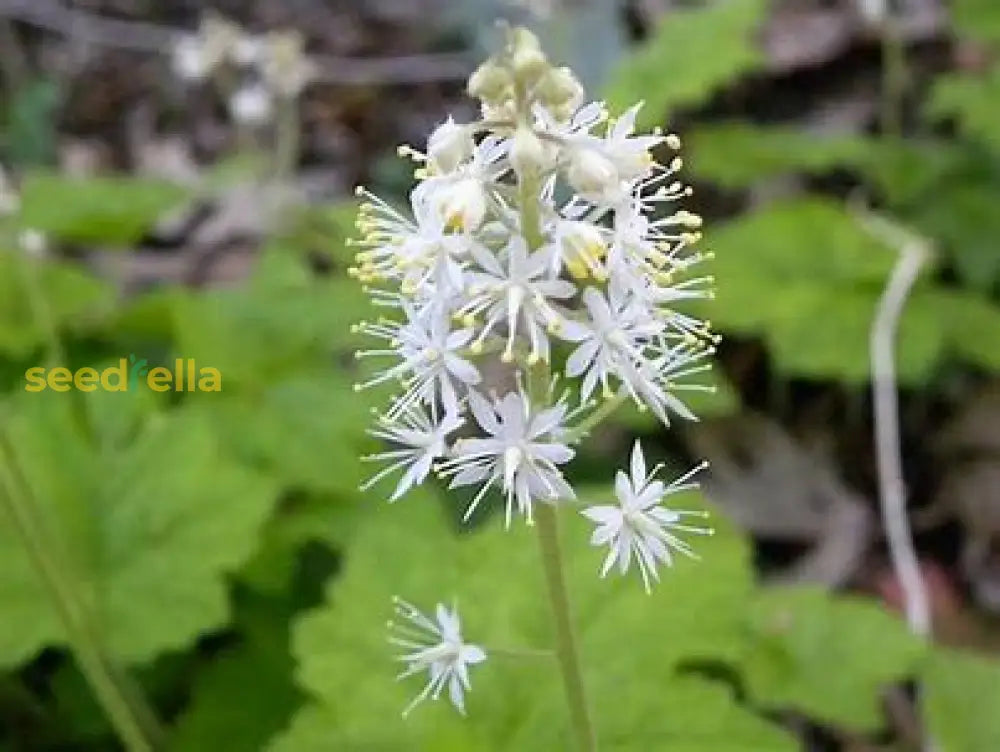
{"x":214,"y":546}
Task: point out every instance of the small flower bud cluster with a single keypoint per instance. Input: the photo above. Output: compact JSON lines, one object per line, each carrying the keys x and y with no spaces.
{"x":267,"y":67}
{"x":540,"y":247}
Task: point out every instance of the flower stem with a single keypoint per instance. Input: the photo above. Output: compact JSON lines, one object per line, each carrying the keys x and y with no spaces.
{"x":606,"y":409}
{"x":565,"y":647}
{"x":131,"y":718}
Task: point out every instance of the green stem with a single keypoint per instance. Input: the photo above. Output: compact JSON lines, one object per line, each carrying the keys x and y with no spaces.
{"x":566,"y":652}
{"x":286,"y":138}
{"x":606,"y":409}
{"x":40,"y":309}
{"x":894,"y":75}
{"x":135,"y":727}
{"x":555,"y":579}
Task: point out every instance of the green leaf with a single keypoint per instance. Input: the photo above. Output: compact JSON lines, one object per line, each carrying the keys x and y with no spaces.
{"x":280,"y":321}
{"x":962,"y":693}
{"x":805,"y":239}
{"x":31,"y":122}
{"x":307,"y":429}
{"x":963,"y":217}
{"x":977,"y":19}
{"x":631,"y":642}
{"x":156,"y":525}
{"x":690,"y":55}
{"x":827,"y":656}
{"x":830,"y":273}
{"x":824,"y":332}
{"x":973,"y":326}
{"x":246,"y":693}
{"x":975,"y":102}
{"x":75,"y":300}
{"x":736,"y":155}
{"x":112,"y":210}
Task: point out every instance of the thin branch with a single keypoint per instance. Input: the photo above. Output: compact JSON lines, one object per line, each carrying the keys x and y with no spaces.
{"x":141,"y":36}
{"x":914,"y":252}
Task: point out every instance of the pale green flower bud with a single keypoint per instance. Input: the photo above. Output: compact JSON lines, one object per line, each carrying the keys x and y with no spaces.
{"x":490,"y":82}
{"x":560,"y":88}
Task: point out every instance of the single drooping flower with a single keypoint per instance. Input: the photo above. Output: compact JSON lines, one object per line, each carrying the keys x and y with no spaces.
{"x":435,"y":646}
{"x":638,"y":526}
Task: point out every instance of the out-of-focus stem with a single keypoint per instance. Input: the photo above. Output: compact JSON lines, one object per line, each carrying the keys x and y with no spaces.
{"x":894,"y":75}
{"x":132,"y":720}
{"x":286,"y":138}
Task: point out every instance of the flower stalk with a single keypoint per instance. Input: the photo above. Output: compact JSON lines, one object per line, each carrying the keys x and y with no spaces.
{"x":547,"y":524}
{"x":533,"y":268}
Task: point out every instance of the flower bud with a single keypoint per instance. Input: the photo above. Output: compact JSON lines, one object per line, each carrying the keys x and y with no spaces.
{"x":560,"y":88}
{"x":526,"y":57}
{"x":529,"y":66}
{"x":462,"y":205}
{"x":449,"y":145}
{"x":591,"y":173}
{"x":527,"y":153}
{"x":489,"y":82}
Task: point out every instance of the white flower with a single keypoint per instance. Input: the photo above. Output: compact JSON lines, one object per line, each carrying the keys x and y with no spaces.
{"x":521,"y":453}
{"x":251,"y":105}
{"x":592,"y":174}
{"x":188,"y":58}
{"x":435,"y":646}
{"x":613,"y":342}
{"x":430,"y":361}
{"x":449,"y":145}
{"x":421,"y":442}
{"x":422,"y":253}
{"x":517,"y":294}
{"x":638,"y":525}
{"x":580,"y":247}
{"x":461,"y":204}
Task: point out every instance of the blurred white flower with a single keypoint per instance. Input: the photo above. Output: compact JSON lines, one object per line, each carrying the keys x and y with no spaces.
{"x":251,"y":105}
{"x":189,"y":60}
{"x":10,"y":202}
{"x":33,"y":242}
{"x":435,"y":646}
{"x":638,"y":527}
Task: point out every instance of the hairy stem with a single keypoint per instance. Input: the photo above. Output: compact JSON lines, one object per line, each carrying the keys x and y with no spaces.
{"x":565,"y":647}
{"x":131,"y":718}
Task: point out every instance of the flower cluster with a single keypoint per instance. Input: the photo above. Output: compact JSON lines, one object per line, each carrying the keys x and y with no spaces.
{"x":258,"y":70}
{"x":532,"y":287}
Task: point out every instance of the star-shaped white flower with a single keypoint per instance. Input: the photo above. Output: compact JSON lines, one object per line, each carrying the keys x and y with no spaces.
{"x":435,"y":646}
{"x":521,"y":453}
{"x":420,"y":440}
{"x":430,"y":361}
{"x":639,"y":526}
